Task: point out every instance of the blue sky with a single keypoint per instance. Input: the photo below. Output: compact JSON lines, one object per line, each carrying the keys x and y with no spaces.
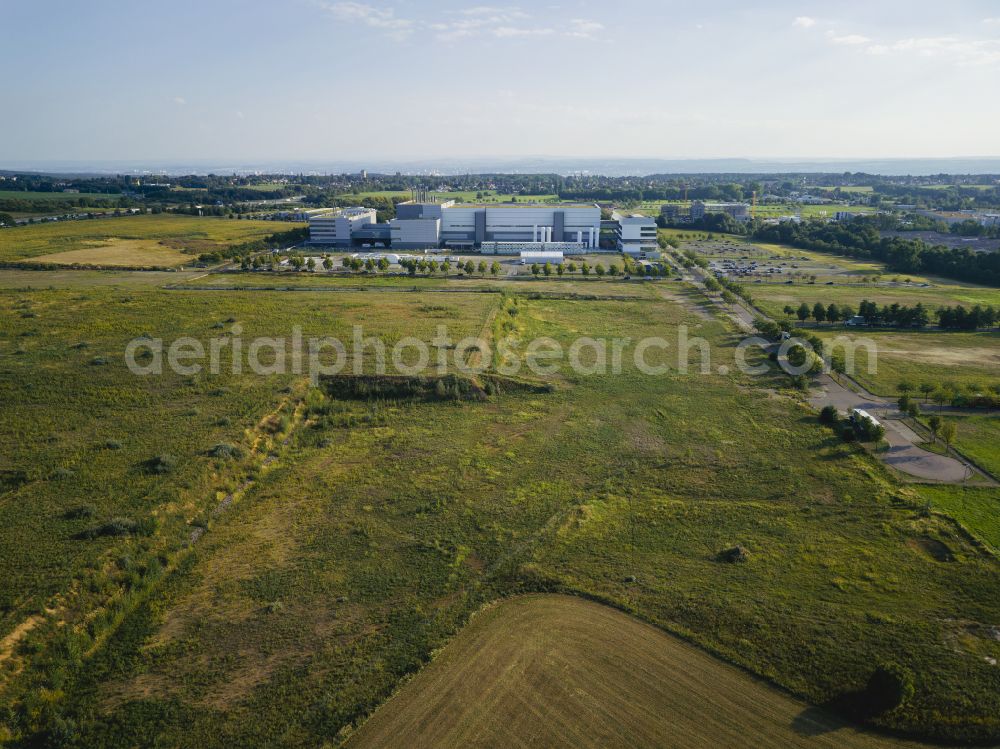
{"x":322,"y":79}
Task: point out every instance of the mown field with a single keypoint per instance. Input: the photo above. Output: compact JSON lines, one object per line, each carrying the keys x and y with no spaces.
{"x":563,"y":671}
{"x":950,"y":360}
{"x":373,"y":528}
{"x":92,"y":240}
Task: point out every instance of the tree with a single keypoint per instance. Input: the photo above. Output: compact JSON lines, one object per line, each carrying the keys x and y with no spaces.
{"x":547,"y":269}
{"x":560,"y":269}
{"x":445,"y":267}
{"x":346,"y":262}
{"x":383,"y":264}
{"x":482,"y":268}
{"x":904,"y":403}
{"x":803,"y":312}
{"x":948,"y":432}
{"x":612,"y":269}
{"x":370,"y":265}
{"x":599,"y":269}
{"x":934,"y":422}
{"x":819,"y":312}
{"x":927,"y":388}
{"x":297,"y":262}
{"x":829,"y":415}
{"x":7,"y":220}
{"x":327,"y":263}
{"x":535,"y":269}
{"x":889,"y":687}
{"x":470,"y":267}
{"x":571,"y":267}
{"x":495,"y":268}
{"x":789,"y":309}
{"x":904,"y":387}
{"x":311,"y":264}
{"x":584,"y":268}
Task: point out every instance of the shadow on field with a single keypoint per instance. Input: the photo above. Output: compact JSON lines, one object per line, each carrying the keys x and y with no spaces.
{"x":848,"y":710}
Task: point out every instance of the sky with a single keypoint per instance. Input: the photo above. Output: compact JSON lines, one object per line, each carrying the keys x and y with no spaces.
{"x":418,"y":79}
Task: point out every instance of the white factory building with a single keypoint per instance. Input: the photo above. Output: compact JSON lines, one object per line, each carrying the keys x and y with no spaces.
{"x":338,"y":227}
{"x":635,"y":234}
{"x":565,"y":227}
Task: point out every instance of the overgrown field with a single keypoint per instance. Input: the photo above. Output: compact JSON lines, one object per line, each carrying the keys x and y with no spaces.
{"x":191,"y":235}
{"x":379,"y":526}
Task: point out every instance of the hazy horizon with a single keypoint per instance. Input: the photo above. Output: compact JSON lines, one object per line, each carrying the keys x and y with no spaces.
{"x":335,"y":80}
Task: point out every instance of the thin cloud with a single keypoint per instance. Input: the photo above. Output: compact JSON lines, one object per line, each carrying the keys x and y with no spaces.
{"x":377,"y":18}
{"x":500,"y":22}
{"x":180,"y":101}
{"x":850,"y":39}
{"x":804,"y":22}
{"x":503,"y":32}
{"x":583,"y":28}
{"x":955,"y":50}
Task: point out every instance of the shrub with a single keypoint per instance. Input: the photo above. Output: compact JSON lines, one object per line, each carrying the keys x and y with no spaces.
{"x":226,"y":451}
{"x":83,"y":512}
{"x":62,"y":473}
{"x":160,"y":464}
{"x":98,"y":361}
{"x":734,"y":554}
{"x":113,"y":445}
{"x":829,"y":415}
{"x":116,"y":527}
{"x":848,"y":433}
{"x":889,"y":687}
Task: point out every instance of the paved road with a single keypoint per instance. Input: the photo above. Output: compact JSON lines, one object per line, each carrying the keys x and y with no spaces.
{"x":903,"y":453}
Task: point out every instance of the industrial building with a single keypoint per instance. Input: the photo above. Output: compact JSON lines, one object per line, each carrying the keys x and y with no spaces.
{"x":635,"y":234}
{"x":562,"y":227}
{"x":339,"y":227}
{"x":738,"y":211}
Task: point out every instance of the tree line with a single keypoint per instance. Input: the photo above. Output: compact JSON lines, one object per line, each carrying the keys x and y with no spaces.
{"x":860,"y":238}
{"x":898,"y":315}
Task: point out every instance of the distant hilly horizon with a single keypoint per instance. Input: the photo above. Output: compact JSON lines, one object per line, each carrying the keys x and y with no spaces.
{"x":610,"y":166}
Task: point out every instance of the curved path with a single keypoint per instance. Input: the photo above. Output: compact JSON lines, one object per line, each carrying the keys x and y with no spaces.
{"x":560,"y":671}
{"x":903,"y":453}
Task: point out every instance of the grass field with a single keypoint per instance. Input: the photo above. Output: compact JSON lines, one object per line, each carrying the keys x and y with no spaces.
{"x":360,"y":535}
{"x":978,"y":436}
{"x":773,"y":298}
{"x":184,"y":234}
{"x":57,"y":196}
{"x":951,"y":358}
{"x":978,"y":509}
{"x":563,"y":671}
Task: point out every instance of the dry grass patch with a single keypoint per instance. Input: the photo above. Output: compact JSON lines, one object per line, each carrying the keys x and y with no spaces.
{"x":547,"y":670}
{"x":125,"y":252}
